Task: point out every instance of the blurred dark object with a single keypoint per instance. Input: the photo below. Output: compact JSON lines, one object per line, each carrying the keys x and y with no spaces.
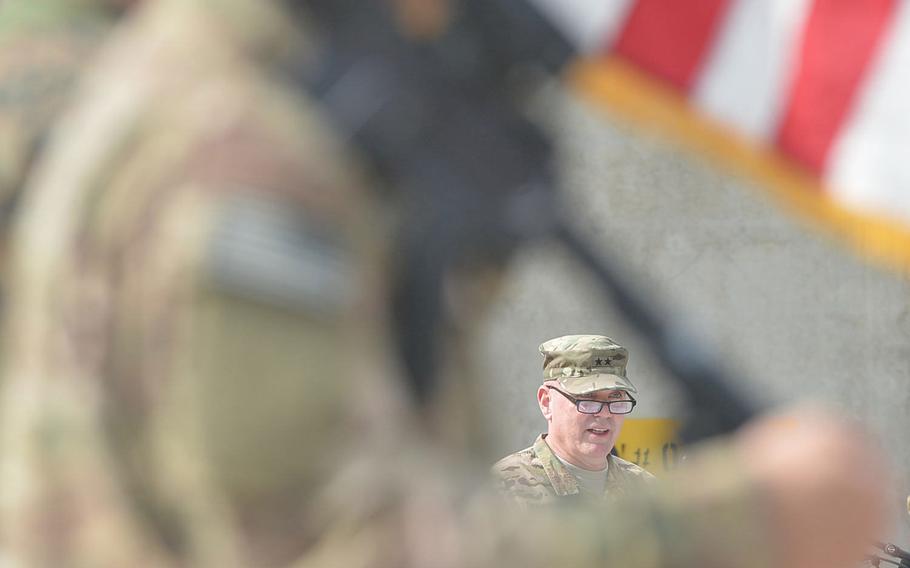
{"x":894,"y":551}
{"x":440,"y":118}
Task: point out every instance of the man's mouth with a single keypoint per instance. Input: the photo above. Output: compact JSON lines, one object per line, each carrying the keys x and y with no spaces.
{"x":599,"y":431}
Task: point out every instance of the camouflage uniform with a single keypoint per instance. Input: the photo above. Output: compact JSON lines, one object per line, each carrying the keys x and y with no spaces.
{"x":198,"y":373}
{"x":534,"y":476}
{"x":581,"y":364}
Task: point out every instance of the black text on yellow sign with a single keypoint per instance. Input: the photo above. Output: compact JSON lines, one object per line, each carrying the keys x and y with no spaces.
{"x":650,"y":443}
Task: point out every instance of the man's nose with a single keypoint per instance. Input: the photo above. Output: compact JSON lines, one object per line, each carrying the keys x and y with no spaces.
{"x":605,"y":411}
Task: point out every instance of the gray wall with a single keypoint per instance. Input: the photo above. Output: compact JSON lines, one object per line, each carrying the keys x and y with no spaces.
{"x":791,"y":310}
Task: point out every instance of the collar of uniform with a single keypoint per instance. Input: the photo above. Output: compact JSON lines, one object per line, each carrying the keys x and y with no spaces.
{"x":563,"y":482}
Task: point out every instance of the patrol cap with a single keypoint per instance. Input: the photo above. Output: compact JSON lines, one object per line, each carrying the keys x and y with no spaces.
{"x":586,"y":363}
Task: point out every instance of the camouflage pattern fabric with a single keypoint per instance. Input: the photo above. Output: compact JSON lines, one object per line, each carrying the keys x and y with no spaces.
{"x":584,"y":364}
{"x":535,"y":476}
{"x":197,"y":370}
{"x":188,"y":255}
{"x":44,"y":45}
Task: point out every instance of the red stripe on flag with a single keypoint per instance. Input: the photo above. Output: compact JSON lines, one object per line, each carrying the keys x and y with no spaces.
{"x":839,"y":42}
{"x":670,"y":38}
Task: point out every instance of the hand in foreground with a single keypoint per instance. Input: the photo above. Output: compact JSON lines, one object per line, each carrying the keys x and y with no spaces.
{"x":824,"y":484}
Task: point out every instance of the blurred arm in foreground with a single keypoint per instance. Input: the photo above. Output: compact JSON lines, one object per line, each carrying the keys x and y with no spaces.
{"x":198,"y":370}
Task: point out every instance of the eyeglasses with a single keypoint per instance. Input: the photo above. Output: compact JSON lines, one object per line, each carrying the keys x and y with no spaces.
{"x":588,"y":406}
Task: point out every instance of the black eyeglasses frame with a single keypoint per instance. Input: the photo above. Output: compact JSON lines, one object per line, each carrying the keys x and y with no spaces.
{"x":609,"y":403}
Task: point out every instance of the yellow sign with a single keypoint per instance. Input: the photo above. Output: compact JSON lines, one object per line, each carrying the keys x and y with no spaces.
{"x":650,"y":443}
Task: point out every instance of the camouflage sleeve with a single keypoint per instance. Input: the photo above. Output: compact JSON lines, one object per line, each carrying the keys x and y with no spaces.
{"x":522,"y":479}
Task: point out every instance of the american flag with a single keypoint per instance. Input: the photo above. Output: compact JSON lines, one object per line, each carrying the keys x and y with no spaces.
{"x":810,"y":98}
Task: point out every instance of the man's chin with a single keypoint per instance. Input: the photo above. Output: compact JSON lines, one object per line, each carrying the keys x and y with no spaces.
{"x":596,"y":449}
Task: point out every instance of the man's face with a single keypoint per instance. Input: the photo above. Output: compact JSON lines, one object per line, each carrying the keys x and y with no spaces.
{"x":584,"y":440}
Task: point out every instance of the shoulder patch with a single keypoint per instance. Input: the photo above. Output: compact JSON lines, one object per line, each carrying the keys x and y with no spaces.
{"x":281,"y":256}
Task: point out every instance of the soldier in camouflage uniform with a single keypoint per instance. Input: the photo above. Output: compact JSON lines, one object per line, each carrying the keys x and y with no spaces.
{"x":574,"y":460}
{"x":144,"y":344}
{"x":197,"y":367}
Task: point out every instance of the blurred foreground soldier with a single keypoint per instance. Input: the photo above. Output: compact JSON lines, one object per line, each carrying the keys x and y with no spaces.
{"x":198,"y":372}
{"x":44,"y":46}
{"x":584,"y":398}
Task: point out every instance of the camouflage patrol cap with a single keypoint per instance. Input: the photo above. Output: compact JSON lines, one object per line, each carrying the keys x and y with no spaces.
{"x":586,"y":363}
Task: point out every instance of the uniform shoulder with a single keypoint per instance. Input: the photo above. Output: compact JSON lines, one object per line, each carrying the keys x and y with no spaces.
{"x":519,"y":461}
{"x":629,"y":469}
{"x":522,"y":478}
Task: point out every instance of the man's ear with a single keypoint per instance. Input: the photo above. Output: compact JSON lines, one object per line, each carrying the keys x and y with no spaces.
{"x":543,"y":401}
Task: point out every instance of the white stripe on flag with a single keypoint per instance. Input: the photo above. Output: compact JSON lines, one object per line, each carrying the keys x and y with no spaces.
{"x":589,"y":24}
{"x":869,"y":164}
{"x":747,"y":75}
